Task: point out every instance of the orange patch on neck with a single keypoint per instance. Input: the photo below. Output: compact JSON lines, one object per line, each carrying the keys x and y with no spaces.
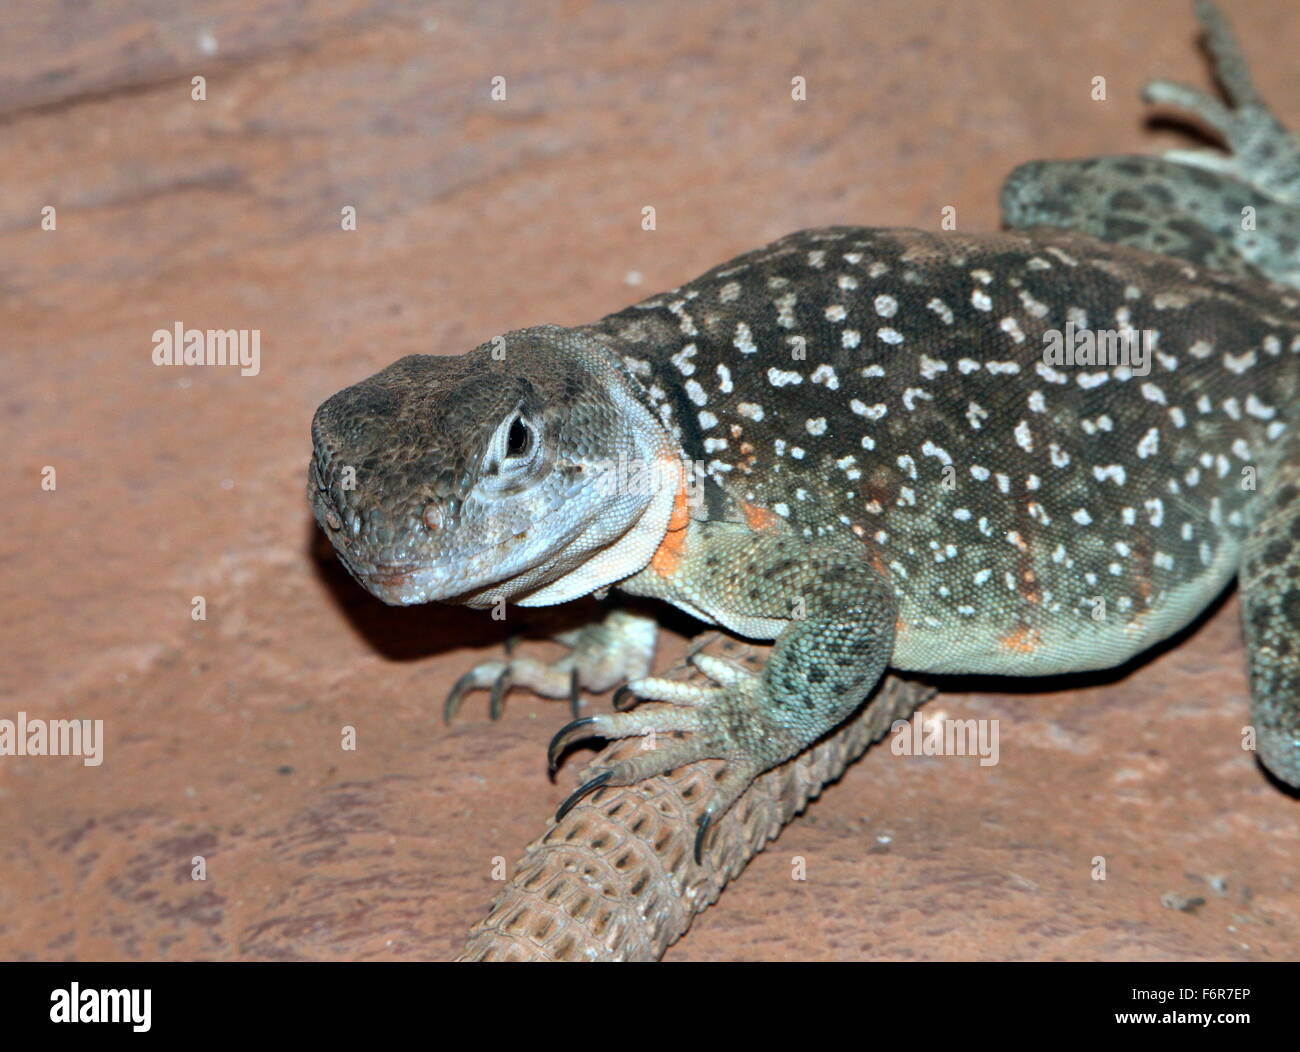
{"x":668,"y":556}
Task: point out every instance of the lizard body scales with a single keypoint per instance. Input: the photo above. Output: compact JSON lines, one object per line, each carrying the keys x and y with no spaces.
{"x":895,"y":467}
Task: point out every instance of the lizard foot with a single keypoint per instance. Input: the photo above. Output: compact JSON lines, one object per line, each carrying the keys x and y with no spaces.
{"x":1261,"y":152}
{"x":601,"y":654}
{"x":725,"y":722}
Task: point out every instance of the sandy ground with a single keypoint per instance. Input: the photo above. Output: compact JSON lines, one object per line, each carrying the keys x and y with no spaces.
{"x":223,"y":736}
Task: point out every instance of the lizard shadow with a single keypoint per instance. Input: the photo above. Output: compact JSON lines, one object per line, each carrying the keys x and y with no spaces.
{"x":1194,"y":133}
{"x":1293,"y":791}
{"x":409,"y":633}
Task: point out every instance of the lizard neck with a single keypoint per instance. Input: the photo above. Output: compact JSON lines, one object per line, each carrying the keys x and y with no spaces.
{"x":655,"y":473}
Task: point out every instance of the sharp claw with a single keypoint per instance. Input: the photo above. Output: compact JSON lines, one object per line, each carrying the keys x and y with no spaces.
{"x":574,"y":702}
{"x":462,"y":687}
{"x":499,"y":688}
{"x":562,"y":738}
{"x":512,"y":641}
{"x":701,"y":832}
{"x":586,"y":789}
{"x":620,"y":698}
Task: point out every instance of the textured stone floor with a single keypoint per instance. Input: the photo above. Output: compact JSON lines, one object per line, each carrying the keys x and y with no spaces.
{"x":475,"y":217}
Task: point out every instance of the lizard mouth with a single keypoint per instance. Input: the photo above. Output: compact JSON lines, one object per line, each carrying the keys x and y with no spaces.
{"x":389,"y":577}
{"x":413,"y":582}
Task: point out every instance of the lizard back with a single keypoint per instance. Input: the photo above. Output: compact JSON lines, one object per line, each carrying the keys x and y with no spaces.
{"x":909,"y":389}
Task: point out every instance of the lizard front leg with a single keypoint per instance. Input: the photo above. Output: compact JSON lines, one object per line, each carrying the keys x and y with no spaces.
{"x":832,"y":616}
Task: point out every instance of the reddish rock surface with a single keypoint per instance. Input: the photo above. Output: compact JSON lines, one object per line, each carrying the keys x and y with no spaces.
{"x":475,"y":217}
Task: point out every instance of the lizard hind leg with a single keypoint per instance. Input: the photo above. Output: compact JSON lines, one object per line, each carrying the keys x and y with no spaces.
{"x":1262,"y":153}
{"x":1191,"y":204}
{"x":1269,"y":582}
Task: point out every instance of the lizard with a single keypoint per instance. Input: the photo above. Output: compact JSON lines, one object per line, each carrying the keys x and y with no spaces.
{"x":867,"y":445}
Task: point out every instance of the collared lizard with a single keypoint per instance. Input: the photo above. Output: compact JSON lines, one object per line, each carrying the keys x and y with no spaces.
{"x":857,"y":442}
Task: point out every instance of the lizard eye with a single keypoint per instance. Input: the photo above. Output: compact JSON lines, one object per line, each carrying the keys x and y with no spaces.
{"x":515,"y":457}
{"x":519,"y":440}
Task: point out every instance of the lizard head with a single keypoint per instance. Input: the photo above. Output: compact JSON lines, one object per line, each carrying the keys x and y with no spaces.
{"x":498,"y":474}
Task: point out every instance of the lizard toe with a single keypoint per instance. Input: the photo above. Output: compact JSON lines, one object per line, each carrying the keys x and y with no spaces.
{"x":481,"y":676}
{"x":731,"y":782}
{"x":719,"y":723}
{"x":601,"y":655}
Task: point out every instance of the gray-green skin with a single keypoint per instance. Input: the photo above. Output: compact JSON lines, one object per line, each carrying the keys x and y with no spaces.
{"x":890,"y":473}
